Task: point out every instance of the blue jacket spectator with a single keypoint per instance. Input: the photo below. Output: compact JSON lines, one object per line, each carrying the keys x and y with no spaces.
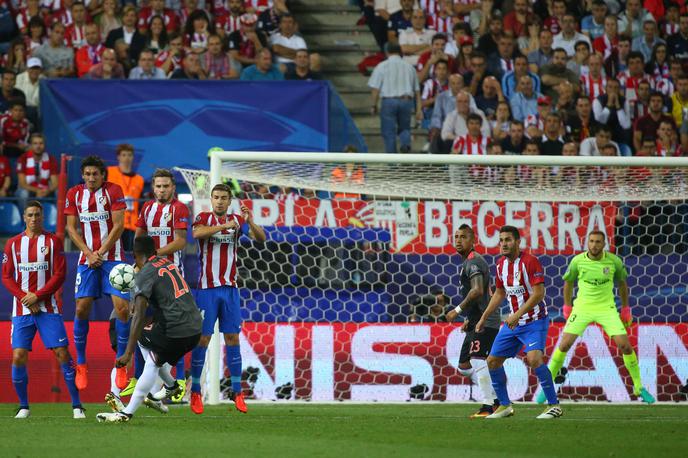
{"x":510,"y":79}
{"x":524,"y":102}
{"x":263,"y":69}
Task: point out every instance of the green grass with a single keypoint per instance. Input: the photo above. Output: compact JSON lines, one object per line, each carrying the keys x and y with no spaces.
{"x":413,"y":430}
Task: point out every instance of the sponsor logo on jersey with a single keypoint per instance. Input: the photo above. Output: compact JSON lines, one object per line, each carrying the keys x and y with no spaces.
{"x":160,"y":231}
{"x":605,"y":271}
{"x":223,"y":238}
{"x":89,"y":217}
{"x":33,"y":266}
{"x":515,"y":290}
{"x":44,"y":249}
{"x":102,"y":200}
{"x":167,"y":216}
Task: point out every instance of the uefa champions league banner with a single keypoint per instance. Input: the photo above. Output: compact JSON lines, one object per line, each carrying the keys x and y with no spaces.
{"x":427,"y":227}
{"x":174,"y":123}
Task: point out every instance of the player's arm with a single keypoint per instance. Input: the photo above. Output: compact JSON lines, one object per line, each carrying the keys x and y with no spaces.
{"x":205,"y":232}
{"x":138,"y":320}
{"x":177,"y":244}
{"x":568,"y":298}
{"x":256,"y":232}
{"x":476,"y":292}
{"x":537,"y":296}
{"x":625,"y":312}
{"x":115,"y":233}
{"x":92,"y":257}
{"x":497,"y":298}
{"x":8,"y":270}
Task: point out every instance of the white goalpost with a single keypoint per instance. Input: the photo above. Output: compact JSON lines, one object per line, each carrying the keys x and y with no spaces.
{"x":358,"y":242}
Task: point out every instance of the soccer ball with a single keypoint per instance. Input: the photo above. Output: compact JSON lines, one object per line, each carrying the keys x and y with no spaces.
{"x":122,"y":277}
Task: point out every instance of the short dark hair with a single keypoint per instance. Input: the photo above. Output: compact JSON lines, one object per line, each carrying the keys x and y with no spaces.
{"x":511,"y":230}
{"x":442,"y":61}
{"x":603,"y":128}
{"x":559,"y":50}
{"x":466,"y":227}
{"x":124,"y":147}
{"x":582,"y":42}
{"x":474,"y":117}
{"x":598,"y":232}
{"x":144,"y":245}
{"x":93,"y":161}
{"x":36,"y":135}
{"x":438,"y":36}
{"x":393,"y":48}
{"x":222,"y":188}
{"x":478,"y":55}
{"x":635,"y":55}
{"x":625,"y":37}
{"x":163,"y":173}
{"x":33,"y":203}
{"x":657,"y":94}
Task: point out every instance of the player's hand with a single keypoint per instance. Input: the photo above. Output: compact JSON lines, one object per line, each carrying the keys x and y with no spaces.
{"x":566,"y":311}
{"x":93,"y":259}
{"x":626,"y":316}
{"x":479,"y":326}
{"x":231,"y":225}
{"x":512,"y":320}
{"x":246,"y":214}
{"x":29,"y":300}
{"x":451,"y":316}
{"x":123,"y":360}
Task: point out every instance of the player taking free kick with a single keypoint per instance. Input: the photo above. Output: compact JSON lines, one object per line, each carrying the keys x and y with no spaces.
{"x":595,"y":271}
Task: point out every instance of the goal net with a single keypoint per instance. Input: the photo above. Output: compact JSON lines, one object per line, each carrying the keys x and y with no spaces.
{"x":346,"y":299}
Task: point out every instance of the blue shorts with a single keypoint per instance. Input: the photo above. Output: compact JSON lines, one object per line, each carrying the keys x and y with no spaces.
{"x":221,"y":303}
{"x":510,"y":341}
{"x":50,"y":326}
{"x":96,"y":282}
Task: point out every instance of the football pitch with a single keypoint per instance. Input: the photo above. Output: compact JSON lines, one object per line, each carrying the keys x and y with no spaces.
{"x":350,"y":430}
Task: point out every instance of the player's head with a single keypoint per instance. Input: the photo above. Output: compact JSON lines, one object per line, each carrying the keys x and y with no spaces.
{"x":33,"y":216}
{"x":596,"y":241}
{"x":220,"y":198}
{"x":163,"y":185}
{"x":93,"y":172}
{"x":144,"y":248}
{"x":464,"y":239}
{"x":509,"y":240}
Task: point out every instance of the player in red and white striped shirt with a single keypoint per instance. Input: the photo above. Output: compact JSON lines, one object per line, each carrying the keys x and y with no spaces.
{"x":165,"y":220}
{"x":217,"y":296}
{"x":98,"y":207}
{"x":33,"y":271}
{"x":520,"y":280}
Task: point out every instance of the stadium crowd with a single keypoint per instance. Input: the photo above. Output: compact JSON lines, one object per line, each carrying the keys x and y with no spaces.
{"x":549,"y":77}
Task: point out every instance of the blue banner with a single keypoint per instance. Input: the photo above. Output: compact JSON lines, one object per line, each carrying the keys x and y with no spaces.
{"x":174,"y":123}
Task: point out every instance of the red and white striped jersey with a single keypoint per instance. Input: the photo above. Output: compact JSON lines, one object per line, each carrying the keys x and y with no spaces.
{"x":217,"y":255}
{"x":637,"y":109}
{"x":37,"y":173}
{"x":75,"y":36}
{"x":432,"y":87}
{"x":429,"y":6}
{"x":469,"y":145}
{"x":517,"y":278}
{"x":534,"y":120}
{"x":630,"y":84}
{"x":663,"y":86}
{"x":258,"y":5}
{"x":593,"y":87}
{"x":467,"y":17}
{"x":160,"y":221}
{"x":674,"y":150}
{"x":224,"y":20}
{"x":94,"y":210}
{"x":441,"y":24}
{"x":669,"y":29}
{"x":34,"y":265}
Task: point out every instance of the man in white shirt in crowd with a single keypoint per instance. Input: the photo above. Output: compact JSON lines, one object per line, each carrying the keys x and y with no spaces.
{"x":415,"y":40}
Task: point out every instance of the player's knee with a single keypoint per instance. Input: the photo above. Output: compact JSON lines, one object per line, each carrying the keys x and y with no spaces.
{"x":122,"y":315}
{"x":564,"y":347}
{"x":493,"y":363}
{"x":19,"y":357}
{"x":83,"y":308}
{"x":534,"y":360}
{"x":625,"y":348}
{"x":231,"y":339}
{"x":204,"y":341}
{"x":62,"y":354}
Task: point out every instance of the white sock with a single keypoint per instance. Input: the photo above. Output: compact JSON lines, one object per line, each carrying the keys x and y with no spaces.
{"x":113,"y":385}
{"x":143,"y":386}
{"x":166,"y":375}
{"x":484,"y":381}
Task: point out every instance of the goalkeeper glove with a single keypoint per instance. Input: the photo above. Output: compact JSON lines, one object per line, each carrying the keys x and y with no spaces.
{"x":626,"y":316}
{"x":567,"y":311}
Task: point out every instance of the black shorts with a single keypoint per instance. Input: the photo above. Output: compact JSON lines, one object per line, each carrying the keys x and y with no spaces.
{"x":166,"y":349}
{"x":477,"y":344}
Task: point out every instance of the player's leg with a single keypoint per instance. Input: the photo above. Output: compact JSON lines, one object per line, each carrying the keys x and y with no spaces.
{"x":534,"y":336}
{"x":208,"y":303}
{"x":180,"y":377}
{"x":23,"y":332}
{"x":120,"y":304}
{"x":87,"y":288}
{"x":230,"y":326}
{"x":69,"y":374}
{"x":506,"y":345}
{"x":481,"y":345}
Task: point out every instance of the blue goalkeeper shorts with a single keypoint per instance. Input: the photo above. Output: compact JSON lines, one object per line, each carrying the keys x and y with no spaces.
{"x":220,"y":303}
{"x":50,"y":327}
{"x":532,"y":336}
{"x":96,"y":282}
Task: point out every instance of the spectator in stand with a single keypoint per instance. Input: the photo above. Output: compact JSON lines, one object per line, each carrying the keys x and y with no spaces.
{"x":679,"y":100}
{"x":474,"y":142}
{"x":37,"y":35}
{"x":28,"y":83}
{"x":455,"y":125}
{"x":491,"y":97}
{"x":191,"y":6}
{"x":444,"y":20}
{"x":109,"y":19}
{"x":36,"y":172}
{"x":667,"y":144}
{"x":579,"y":65}
{"x":427,"y":60}
{"x":61,"y":12}
{"x":568,"y":37}
{"x":515,"y":142}
{"x":445,"y":103}
{"x":524,"y":102}
{"x":531,"y":42}
{"x":196,"y":32}
{"x":581,"y":125}
{"x":25,"y":14}
{"x":631,"y":20}
{"x":132,"y":184}
{"x":156,"y":36}
{"x":487,"y":44}
{"x":171,"y":59}
{"x":516,"y":22}
{"x":678,"y":43}
{"x":15,"y":59}
{"x":15,"y":129}
{"x":543,"y":55}
{"x":474,"y":79}
{"x":534,"y":125}
{"x":648,"y":40}
{"x":646,"y":126}
{"x":263,"y":69}
{"x":128,"y":32}
{"x":611,"y":109}
{"x":107,"y":69}
{"x":228,"y":20}
{"x":594,"y":83}
{"x":8,"y":91}
{"x":617,"y":62}
{"x":57,"y":59}
{"x":659,"y":66}
{"x":75,"y":33}
{"x":454,"y":41}
{"x":433,"y":87}
{"x":608,"y":42}
{"x":5,"y":176}
{"x":501,"y":123}
{"x":670,"y":23}
{"x":190,"y":70}
{"x":401,"y":20}
{"x":396,"y":83}
{"x":217,"y":64}
{"x":286,"y":42}
{"x":503,"y":60}
{"x":635,"y":73}
{"x":638,"y":108}
{"x":592,"y":25}
{"x":123,"y":56}
{"x":146,"y":70}
{"x":511,"y":78}
{"x":552,"y":142}
{"x":302,"y":68}
{"x":91,"y":53}
{"x":268,"y":20}
{"x":244,"y":44}
{"x":415,"y":40}
{"x":556,"y":18}
{"x":554,"y":73}
{"x":157,"y":8}
{"x":377,"y":14}
{"x":593,"y":146}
